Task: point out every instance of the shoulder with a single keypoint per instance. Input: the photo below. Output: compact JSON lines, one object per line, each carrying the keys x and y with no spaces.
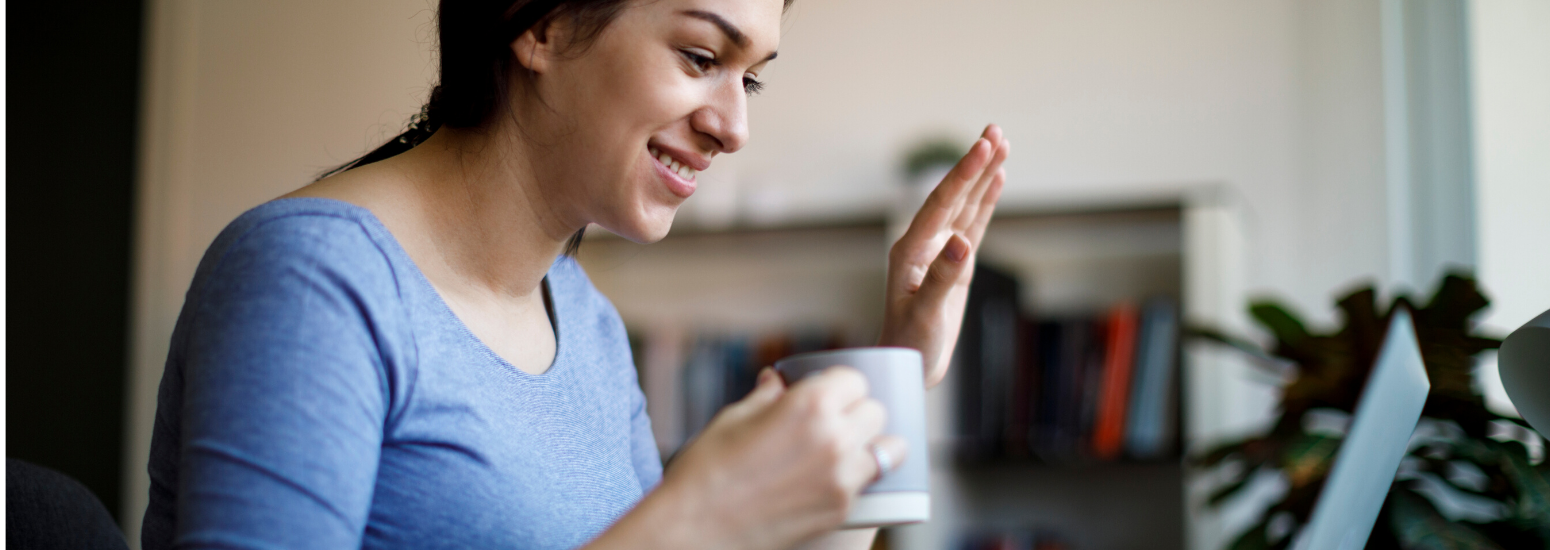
{"x":295,"y":277}
{"x":318,"y":241}
{"x":300,"y":225}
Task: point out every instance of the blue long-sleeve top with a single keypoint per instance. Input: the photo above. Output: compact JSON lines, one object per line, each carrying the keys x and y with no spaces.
{"x":319,"y":394}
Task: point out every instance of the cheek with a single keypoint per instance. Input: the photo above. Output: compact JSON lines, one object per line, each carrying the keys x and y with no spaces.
{"x":646,"y":89}
{"x":615,"y":106}
{"x":634,"y":105}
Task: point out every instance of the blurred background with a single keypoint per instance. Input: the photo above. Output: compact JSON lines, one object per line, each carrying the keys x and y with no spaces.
{"x":1172,"y":160}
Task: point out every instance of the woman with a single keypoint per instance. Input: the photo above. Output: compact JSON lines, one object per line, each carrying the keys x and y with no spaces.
{"x":399,"y":355}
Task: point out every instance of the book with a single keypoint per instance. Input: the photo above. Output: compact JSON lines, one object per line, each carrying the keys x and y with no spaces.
{"x":986,"y":361}
{"x":703,"y":384}
{"x":1114,"y":385}
{"x":1065,"y":373}
{"x":661,"y":367}
{"x":1045,"y":407}
{"x":1021,"y":412}
{"x":1153,"y":409}
{"x":1089,"y":386}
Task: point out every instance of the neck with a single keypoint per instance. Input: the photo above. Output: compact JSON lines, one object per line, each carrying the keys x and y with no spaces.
{"x":486,"y":216}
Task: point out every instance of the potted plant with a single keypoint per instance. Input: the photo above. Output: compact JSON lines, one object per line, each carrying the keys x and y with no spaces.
{"x":1457,"y":459}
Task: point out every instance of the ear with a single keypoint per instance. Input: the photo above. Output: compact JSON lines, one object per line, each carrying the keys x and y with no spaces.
{"x":538,"y":48}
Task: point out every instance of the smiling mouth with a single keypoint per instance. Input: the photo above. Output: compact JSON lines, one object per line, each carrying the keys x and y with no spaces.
{"x":673,"y":165}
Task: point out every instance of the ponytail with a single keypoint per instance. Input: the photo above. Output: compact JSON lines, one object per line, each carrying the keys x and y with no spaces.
{"x":421,"y":126}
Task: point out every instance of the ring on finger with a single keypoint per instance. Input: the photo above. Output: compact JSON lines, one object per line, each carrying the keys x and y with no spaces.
{"x":883,"y":459}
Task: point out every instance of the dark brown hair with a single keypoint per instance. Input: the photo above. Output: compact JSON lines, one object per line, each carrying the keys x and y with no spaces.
{"x":474,"y":44}
{"x":473,"y":40}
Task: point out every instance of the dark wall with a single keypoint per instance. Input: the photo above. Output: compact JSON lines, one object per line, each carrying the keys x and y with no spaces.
{"x":72,"y":94}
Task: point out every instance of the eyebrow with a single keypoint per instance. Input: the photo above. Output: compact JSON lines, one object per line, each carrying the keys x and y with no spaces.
{"x":727,"y":28}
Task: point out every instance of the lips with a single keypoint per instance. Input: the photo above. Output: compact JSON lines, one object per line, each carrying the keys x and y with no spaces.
{"x":676,"y":173}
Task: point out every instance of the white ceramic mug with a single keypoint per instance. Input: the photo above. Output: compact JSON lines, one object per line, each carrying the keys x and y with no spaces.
{"x":897,"y":380}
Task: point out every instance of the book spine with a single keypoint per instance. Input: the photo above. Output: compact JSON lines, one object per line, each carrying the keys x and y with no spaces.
{"x":1046,"y":403}
{"x":662,"y":368}
{"x":1119,"y":357}
{"x":1020,"y":415}
{"x":1150,"y":419}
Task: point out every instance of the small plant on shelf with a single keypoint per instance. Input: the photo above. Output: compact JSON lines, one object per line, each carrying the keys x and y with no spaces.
{"x":929,"y":153}
{"x":1459,"y":455}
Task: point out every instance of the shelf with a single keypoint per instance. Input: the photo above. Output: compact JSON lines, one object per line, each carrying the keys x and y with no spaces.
{"x":1093,"y":507}
{"x":1084,"y":213}
{"x":945,"y":457}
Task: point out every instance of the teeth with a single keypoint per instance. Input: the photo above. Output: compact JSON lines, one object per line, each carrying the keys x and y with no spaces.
{"x":682,"y":170}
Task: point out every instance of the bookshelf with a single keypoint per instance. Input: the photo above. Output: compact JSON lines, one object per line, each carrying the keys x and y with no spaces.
{"x":1070,"y":265}
{"x":821,"y":284}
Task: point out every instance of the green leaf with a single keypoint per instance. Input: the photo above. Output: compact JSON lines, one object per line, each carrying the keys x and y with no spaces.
{"x":1217,"y":455}
{"x":1533,"y":489}
{"x":1225,"y":491}
{"x":1418,"y":526}
{"x":1457,"y":299}
{"x":1308,"y":458}
{"x":933,"y":152}
{"x":1261,"y":359}
{"x":1287,"y":328}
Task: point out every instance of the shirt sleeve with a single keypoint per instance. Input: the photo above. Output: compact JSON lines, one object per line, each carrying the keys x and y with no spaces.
{"x":285,"y":394}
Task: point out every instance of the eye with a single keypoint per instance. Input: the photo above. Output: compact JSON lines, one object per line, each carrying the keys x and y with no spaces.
{"x":752,"y":86}
{"x":702,"y":62}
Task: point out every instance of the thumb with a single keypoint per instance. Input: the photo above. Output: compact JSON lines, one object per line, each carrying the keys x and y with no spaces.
{"x":945,"y":271}
{"x":767,"y":389}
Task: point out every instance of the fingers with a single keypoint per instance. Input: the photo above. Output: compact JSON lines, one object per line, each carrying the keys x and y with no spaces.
{"x":836,"y":388}
{"x":945,"y":272}
{"x":974,"y":203}
{"x":864,"y":468}
{"x":768,"y":387}
{"x":1000,"y":150}
{"x":896,"y":449}
{"x":957,"y":202}
{"x":866,"y":420}
{"x":987,"y":208}
{"x":766,"y":391}
{"x":946,"y":200}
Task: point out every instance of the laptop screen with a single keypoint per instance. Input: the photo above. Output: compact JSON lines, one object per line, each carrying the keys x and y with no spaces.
{"x":1368,"y":458}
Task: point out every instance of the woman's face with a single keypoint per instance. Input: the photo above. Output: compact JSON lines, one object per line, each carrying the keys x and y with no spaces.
{"x":627,"y":121}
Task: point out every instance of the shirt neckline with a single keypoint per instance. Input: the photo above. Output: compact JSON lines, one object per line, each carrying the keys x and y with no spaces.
{"x":557,"y":322}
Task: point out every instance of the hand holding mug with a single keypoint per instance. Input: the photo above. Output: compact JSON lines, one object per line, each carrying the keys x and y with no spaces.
{"x":784,"y":465}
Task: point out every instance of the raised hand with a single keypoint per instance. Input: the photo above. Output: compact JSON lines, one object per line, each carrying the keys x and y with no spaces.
{"x":930,"y":267}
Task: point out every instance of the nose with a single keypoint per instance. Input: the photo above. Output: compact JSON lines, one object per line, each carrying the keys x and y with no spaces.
{"x":724,"y":117}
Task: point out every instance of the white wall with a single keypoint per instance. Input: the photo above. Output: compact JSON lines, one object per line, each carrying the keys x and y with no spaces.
{"x":1334,"y":227}
{"x":1280,"y":101}
{"x":1510,"y":61}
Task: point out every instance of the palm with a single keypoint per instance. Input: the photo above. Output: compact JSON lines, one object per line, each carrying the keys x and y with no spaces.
{"x":930,"y":267}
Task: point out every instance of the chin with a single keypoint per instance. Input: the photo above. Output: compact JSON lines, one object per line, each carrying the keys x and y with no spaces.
{"x":647,"y":228}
